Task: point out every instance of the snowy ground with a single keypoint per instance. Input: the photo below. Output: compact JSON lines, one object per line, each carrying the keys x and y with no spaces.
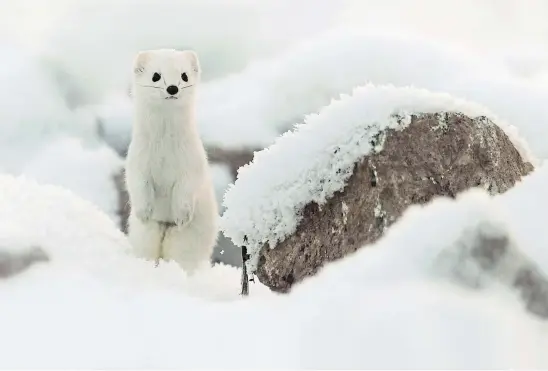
{"x":392,"y":305}
{"x":94,"y":306}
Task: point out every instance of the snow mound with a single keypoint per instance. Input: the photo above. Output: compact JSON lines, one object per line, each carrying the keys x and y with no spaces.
{"x":102,"y":304}
{"x":312,"y":162}
{"x":395,"y":304}
{"x":83,"y":240}
{"x":115,"y":114}
{"x":55,"y":219}
{"x":251,"y":108}
{"x":405,"y":291}
{"x":85,"y":167}
{"x":253,"y":31}
{"x":88,"y":171}
{"x":30,"y":115}
{"x":42,"y":138}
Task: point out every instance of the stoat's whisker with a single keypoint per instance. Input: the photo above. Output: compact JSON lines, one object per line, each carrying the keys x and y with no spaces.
{"x":150,"y":86}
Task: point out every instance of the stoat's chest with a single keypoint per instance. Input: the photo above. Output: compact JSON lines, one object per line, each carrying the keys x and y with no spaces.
{"x":169,"y":152}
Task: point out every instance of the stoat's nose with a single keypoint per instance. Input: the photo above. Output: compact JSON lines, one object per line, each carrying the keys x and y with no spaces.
{"x":172,"y":90}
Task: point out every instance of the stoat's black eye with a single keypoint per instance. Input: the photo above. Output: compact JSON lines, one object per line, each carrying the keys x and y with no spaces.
{"x":184,"y":77}
{"x":156,"y":77}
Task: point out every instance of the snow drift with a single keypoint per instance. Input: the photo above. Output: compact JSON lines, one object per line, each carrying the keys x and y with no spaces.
{"x":412,"y":273}
{"x":41,"y":137}
{"x":312,"y":162}
{"x":48,"y":115}
{"x":388,"y":306}
{"x":79,"y":237}
{"x":252,"y":107}
{"x":93,"y":305}
{"x":248,"y":30}
{"x":88,"y":171}
{"x":269,"y":96}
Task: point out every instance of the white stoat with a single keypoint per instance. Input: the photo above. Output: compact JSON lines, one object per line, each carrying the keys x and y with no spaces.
{"x":174,"y":212}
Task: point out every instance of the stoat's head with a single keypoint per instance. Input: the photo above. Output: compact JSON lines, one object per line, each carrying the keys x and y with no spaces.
{"x":165,"y":76}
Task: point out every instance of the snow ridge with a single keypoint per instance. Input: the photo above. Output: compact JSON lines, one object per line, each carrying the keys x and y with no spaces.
{"x":269,"y":95}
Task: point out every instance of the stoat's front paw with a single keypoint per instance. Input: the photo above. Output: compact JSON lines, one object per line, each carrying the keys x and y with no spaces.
{"x":144,"y":213}
{"x":183,"y":214}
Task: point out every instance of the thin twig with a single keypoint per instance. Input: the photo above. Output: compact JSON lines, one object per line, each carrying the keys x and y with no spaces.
{"x":245,"y":278}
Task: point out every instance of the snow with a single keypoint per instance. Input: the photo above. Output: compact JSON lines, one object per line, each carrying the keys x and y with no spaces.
{"x":88,"y":171}
{"x":81,"y":237}
{"x":253,"y":31}
{"x":225,"y":250}
{"x":41,"y":137}
{"x":252,"y":107}
{"x":115,"y":113}
{"x":313,"y":161}
{"x":416,"y":312}
{"x":396,"y":304}
{"x":95,"y":306}
{"x":48,"y":114}
{"x":270,"y":95}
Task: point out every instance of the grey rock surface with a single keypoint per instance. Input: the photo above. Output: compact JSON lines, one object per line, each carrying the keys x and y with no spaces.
{"x":15,"y":262}
{"x":438,"y":154}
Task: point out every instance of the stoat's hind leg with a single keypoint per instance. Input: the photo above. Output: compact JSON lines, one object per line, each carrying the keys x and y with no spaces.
{"x":145,"y":238}
{"x":190,"y":246}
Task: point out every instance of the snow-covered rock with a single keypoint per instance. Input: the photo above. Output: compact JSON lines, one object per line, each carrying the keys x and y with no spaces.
{"x":436,"y":155}
{"x":310,"y":164}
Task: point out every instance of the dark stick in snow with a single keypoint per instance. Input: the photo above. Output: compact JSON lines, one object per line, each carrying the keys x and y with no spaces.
{"x":245,"y":278}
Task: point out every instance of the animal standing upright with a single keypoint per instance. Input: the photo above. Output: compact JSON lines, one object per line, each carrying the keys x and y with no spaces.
{"x":174,"y":212}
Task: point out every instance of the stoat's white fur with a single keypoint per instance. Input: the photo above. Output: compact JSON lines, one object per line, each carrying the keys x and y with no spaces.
{"x":174,"y":213}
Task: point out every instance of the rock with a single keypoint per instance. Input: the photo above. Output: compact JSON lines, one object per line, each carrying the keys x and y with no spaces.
{"x":488,"y":253}
{"x":532,"y":286}
{"x":13,"y":263}
{"x":438,"y":154}
{"x":123,"y":199}
{"x":234,"y":158}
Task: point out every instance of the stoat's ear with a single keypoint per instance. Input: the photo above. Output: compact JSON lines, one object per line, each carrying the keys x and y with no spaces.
{"x":191,"y":56}
{"x":140,"y":62}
